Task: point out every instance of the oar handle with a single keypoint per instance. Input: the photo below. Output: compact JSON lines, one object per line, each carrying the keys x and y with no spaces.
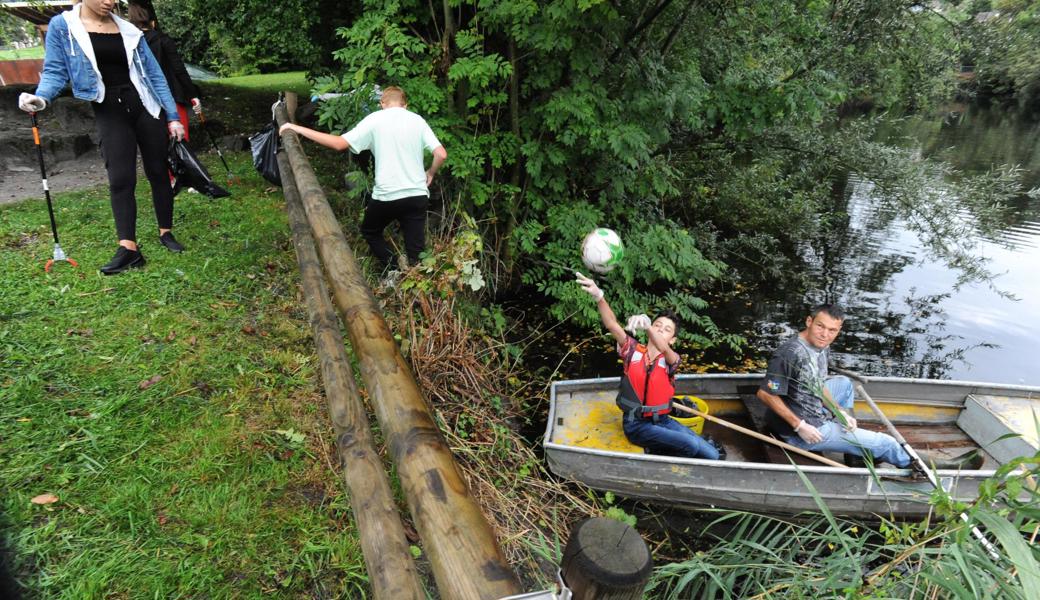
{"x":759,"y":436}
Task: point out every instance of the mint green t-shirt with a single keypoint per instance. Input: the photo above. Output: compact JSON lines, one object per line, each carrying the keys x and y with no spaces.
{"x":397,"y":138}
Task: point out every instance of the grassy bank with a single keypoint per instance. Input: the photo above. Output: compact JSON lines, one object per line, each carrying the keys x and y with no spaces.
{"x":173,"y":411}
{"x":22,"y":53}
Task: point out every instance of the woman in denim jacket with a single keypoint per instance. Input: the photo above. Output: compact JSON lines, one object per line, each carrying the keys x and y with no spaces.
{"x":108,"y":63}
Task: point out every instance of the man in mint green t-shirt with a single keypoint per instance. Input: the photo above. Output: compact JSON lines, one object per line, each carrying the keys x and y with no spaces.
{"x":397,"y":138}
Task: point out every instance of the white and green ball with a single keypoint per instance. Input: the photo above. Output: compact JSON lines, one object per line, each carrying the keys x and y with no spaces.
{"x":602,"y":250}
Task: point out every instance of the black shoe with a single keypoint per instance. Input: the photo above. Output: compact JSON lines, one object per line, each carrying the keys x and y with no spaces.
{"x":969,"y":461}
{"x":123,"y":260}
{"x":170,"y":242}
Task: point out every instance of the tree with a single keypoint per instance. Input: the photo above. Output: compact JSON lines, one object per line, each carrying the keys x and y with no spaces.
{"x":238,"y":37}
{"x":565,"y":115}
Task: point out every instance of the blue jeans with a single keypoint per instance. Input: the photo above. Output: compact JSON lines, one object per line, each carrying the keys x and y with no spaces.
{"x":883,"y":447}
{"x":667,"y":437}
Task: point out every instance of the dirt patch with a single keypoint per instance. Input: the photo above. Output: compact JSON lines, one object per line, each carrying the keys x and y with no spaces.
{"x":21,"y":183}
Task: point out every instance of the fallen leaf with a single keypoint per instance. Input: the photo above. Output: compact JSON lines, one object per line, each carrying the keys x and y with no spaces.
{"x":214,"y":223}
{"x":193,"y":340}
{"x":250,"y":276}
{"x":44,"y":499}
{"x":163,"y":518}
{"x":172,"y":336}
{"x":147,"y":383}
{"x":248,"y":329}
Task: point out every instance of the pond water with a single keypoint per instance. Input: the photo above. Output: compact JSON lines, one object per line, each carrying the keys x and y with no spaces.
{"x":906,"y":315}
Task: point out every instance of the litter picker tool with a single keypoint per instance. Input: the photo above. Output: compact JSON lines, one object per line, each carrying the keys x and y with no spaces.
{"x":231,"y":178}
{"x":59,"y":254}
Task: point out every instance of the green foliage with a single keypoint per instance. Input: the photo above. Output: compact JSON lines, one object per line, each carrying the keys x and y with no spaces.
{"x":1005,"y":50}
{"x":14,"y":29}
{"x":239,"y":37}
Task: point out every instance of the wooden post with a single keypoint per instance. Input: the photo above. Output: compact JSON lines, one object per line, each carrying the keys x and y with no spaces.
{"x":606,"y":559}
{"x":290,"y":105}
{"x":465,"y":557}
{"x":388,"y":558}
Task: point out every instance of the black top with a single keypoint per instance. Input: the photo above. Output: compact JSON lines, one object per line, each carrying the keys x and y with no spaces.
{"x":111,"y":58}
{"x":163,"y":47}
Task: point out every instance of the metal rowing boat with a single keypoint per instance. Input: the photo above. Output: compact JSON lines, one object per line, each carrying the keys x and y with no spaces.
{"x":584,"y":442}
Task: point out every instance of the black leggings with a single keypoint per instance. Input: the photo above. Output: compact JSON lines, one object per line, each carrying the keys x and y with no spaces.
{"x":123,"y":125}
{"x":410,"y":213}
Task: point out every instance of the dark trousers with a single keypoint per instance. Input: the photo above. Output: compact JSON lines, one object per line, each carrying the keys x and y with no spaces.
{"x":123,"y":125}
{"x":410,"y":213}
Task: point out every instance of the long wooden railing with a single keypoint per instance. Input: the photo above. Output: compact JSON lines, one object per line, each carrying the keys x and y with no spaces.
{"x":464,"y":555}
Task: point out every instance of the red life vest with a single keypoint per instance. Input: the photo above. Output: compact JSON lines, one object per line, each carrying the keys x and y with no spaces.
{"x":646,"y":390}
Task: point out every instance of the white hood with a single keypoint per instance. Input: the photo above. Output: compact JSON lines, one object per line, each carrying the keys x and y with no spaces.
{"x":131,"y":38}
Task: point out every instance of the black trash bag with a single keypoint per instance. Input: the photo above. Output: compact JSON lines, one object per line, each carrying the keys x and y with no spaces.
{"x":189,"y":172}
{"x":265,"y":149}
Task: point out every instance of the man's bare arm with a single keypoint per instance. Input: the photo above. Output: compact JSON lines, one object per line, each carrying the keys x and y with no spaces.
{"x":777,"y":405}
{"x":325,"y":139}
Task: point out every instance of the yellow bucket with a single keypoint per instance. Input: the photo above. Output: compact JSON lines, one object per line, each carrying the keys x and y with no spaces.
{"x":685,"y":418}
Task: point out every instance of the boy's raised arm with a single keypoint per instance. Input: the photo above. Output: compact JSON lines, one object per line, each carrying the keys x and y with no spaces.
{"x":606,"y":314}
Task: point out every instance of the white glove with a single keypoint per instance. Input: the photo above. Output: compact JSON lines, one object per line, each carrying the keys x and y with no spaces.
{"x":850,"y":421}
{"x":196,"y":105}
{"x":176,"y":130}
{"x":808,"y":433}
{"x":638,"y":323}
{"x":31,"y":103}
{"x":589,"y":286}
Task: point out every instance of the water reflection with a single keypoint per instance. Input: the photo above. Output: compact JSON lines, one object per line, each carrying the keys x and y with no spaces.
{"x":907,"y":317}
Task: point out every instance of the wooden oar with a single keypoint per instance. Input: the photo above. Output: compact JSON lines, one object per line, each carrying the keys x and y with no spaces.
{"x":918,"y":462}
{"x":759,"y":436}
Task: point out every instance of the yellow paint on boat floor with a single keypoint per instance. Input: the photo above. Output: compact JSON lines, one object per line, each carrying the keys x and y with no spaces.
{"x":597,"y":426}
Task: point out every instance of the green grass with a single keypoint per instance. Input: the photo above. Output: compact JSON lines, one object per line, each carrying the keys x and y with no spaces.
{"x":295,"y":81}
{"x":33,"y":52}
{"x":184,"y":488}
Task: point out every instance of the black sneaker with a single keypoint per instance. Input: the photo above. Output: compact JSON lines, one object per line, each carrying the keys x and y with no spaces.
{"x":170,"y":242}
{"x":123,"y":260}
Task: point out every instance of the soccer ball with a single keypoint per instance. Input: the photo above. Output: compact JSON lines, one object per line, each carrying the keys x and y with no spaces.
{"x":602,"y":250}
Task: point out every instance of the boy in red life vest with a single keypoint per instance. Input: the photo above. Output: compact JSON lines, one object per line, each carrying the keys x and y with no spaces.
{"x":648,"y":383}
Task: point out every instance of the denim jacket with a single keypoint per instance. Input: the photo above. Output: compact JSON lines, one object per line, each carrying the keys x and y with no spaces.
{"x":69,"y":57}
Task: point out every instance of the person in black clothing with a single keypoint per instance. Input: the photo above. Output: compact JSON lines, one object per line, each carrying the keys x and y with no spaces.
{"x":184,"y":90}
{"x":108,"y":63}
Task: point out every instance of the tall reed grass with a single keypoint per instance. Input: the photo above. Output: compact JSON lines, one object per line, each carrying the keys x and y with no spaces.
{"x":823,"y":556}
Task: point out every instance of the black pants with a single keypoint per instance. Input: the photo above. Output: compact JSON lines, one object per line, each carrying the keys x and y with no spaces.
{"x":410,"y":213}
{"x":123,"y":125}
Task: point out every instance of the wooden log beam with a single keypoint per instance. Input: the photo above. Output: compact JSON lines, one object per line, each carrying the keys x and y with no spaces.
{"x":391,"y":570}
{"x":466,"y":559}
